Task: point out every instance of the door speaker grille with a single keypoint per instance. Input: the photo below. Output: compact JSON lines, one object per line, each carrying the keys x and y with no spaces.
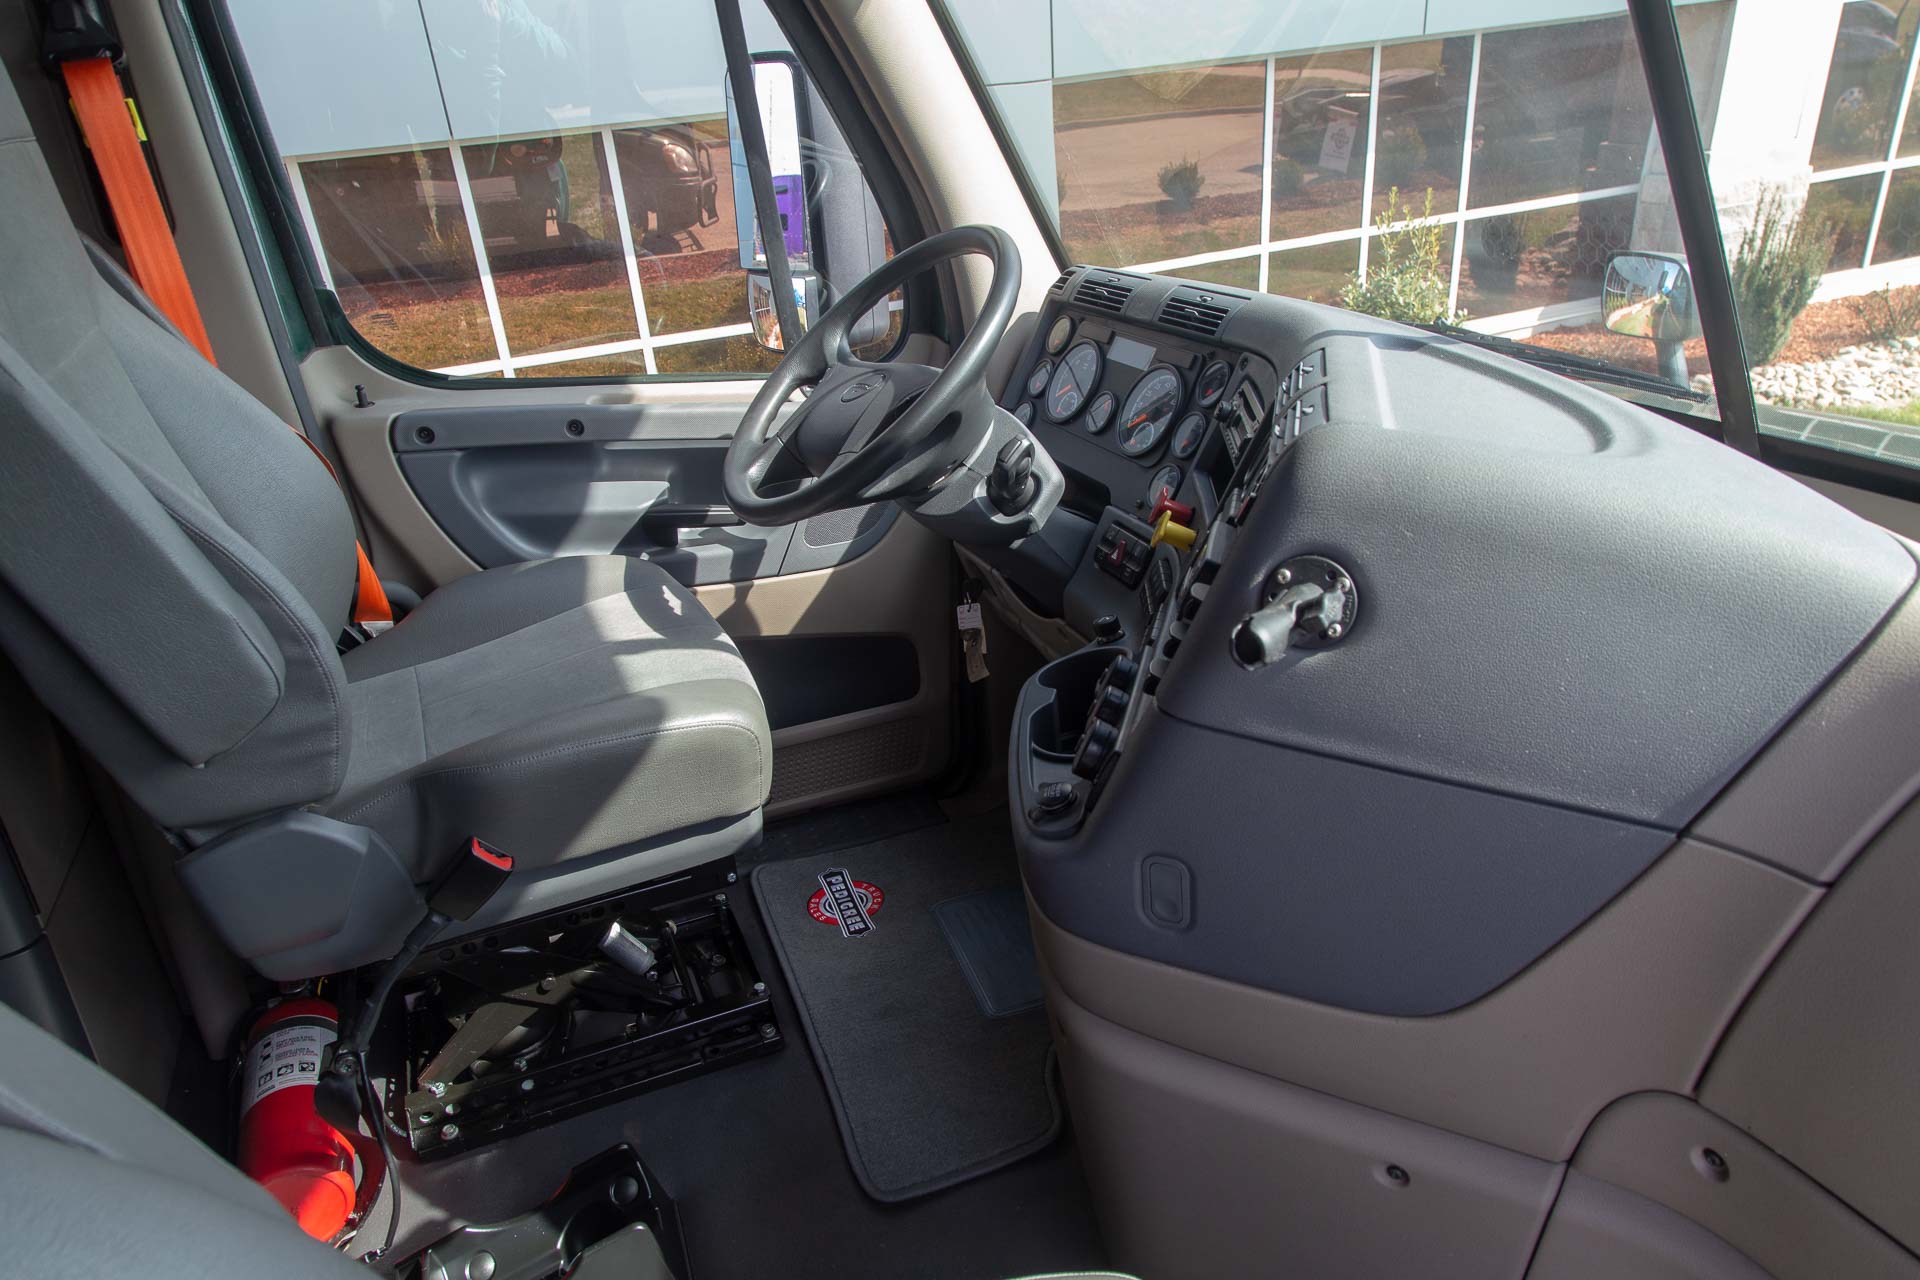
{"x":804,"y":769}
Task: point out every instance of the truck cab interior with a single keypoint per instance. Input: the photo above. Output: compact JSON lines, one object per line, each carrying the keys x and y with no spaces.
{"x":1017,"y":659}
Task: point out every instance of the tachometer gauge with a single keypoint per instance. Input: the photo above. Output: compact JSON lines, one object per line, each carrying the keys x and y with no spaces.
{"x":1057,"y":336}
{"x":1212,"y":384}
{"x":1099,"y":413}
{"x":1149,"y":410}
{"x":1037,"y":380}
{"x":1187,"y":438}
{"x":1073,"y":381}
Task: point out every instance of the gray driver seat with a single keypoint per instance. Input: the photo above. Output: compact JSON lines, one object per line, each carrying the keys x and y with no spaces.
{"x":174,"y":569}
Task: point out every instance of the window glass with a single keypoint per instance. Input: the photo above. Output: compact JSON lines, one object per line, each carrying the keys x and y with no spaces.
{"x":1322,"y":108}
{"x":1318,"y":273}
{"x":546,"y":213}
{"x":1159,"y":165}
{"x":1541,"y":257}
{"x":546,"y":188}
{"x":1899,"y":238}
{"x":1235,"y":273}
{"x":1561,"y":109}
{"x":727,"y":353}
{"x":1846,"y":205}
{"x":1820,"y":210}
{"x":1811,"y":113}
{"x":1479,"y":162}
{"x":396,"y":244}
{"x":1423,"y":118}
{"x":1861,"y":95}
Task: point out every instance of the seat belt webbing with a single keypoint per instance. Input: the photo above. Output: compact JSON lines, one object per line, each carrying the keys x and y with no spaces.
{"x":106,"y":121}
{"x":106,"y":118}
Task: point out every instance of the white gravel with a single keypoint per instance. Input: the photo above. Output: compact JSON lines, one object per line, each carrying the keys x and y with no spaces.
{"x":1882,"y":374}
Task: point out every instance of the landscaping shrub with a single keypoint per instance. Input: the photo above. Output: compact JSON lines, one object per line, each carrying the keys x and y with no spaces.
{"x":1288,"y":176}
{"x":1181,"y":180}
{"x":1779,"y":264}
{"x":1889,"y":313}
{"x":1399,"y":156}
{"x":1407,"y":268}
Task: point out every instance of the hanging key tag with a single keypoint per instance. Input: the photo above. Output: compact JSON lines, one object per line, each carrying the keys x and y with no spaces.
{"x":973,"y":637}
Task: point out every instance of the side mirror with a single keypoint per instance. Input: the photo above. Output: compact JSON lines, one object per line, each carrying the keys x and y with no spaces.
{"x":1650,"y":295}
{"x":834,"y":235}
{"x":766,"y":319}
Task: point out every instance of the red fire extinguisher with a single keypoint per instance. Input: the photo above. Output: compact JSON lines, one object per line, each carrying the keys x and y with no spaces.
{"x":302,"y":1161}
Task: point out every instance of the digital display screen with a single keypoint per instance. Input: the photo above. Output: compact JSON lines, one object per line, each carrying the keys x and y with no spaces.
{"x":1135,"y":355}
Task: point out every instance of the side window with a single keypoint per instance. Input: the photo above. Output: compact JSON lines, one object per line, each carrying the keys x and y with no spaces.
{"x":547,"y":188}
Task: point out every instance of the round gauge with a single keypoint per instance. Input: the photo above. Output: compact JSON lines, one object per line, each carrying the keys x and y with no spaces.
{"x":1025,"y":413}
{"x":1188,"y":436}
{"x":1073,"y":381}
{"x":1058,"y":335}
{"x":1165,"y":481}
{"x":1037,"y":380}
{"x":1149,"y":410}
{"x":1099,"y":413}
{"x":1212,"y":384}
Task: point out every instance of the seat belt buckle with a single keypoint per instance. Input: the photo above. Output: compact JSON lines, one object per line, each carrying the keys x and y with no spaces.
{"x":470,"y":883}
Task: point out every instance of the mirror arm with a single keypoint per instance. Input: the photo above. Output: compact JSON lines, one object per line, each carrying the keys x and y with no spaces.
{"x":753,"y":141}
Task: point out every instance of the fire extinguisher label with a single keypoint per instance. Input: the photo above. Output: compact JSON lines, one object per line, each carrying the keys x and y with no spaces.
{"x":286,"y":1056}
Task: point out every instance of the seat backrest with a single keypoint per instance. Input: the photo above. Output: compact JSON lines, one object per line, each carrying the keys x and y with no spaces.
{"x":174,"y":564}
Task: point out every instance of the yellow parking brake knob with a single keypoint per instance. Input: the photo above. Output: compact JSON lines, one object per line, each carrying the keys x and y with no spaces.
{"x":1176,"y":535}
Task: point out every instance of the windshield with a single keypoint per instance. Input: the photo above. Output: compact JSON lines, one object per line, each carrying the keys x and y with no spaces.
{"x":1481,"y":164}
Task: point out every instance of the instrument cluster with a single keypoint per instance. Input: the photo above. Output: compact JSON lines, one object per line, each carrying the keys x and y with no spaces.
{"x":1139,"y":398}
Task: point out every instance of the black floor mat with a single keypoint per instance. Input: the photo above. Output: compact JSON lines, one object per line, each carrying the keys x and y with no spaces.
{"x":991,"y":939}
{"x":928,"y":1089}
{"x":753,"y":1157}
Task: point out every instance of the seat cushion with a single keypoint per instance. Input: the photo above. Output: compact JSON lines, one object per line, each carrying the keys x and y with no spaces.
{"x":556,"y":709}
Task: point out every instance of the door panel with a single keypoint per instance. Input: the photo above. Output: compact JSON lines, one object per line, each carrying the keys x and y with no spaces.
{"x":844,"y":619}
{"x":508,"y":483}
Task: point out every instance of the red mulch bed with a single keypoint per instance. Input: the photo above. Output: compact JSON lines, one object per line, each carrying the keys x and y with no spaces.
{"x":1822,"y":330}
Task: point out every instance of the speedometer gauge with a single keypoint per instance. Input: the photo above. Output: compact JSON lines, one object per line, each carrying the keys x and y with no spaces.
{"x":1073,"y":381}
{"x":1149,"y":410}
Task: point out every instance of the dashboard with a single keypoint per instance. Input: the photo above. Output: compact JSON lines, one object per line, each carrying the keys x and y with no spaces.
{"x":1406,"y":657}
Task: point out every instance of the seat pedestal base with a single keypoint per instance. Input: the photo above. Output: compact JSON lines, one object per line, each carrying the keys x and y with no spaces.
{"x":602,"y":1197}
{"x":517,"y":1027}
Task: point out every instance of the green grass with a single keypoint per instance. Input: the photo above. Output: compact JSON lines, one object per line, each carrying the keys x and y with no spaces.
{"x":1237,"y":88}
{"x":1234,"y":273}
{"x":1907,"y":414}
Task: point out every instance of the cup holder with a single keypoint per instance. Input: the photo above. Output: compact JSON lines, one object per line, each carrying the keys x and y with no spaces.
{"x":1054,"y":726}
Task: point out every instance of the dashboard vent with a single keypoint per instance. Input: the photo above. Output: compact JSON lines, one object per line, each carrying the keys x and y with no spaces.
{"x":1195,"y":312}
{"x":1103,"y":294}
{"x":1059,"y":287}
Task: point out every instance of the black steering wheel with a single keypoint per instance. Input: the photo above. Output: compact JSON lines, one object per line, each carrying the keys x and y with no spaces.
{"x":870,"y":431}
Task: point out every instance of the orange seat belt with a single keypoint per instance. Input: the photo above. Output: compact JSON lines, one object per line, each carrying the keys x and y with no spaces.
{"x":107,"y":122}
